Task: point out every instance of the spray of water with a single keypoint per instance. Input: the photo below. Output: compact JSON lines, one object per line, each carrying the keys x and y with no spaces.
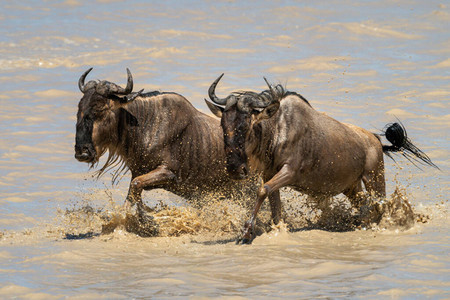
{"x":224,"y":218}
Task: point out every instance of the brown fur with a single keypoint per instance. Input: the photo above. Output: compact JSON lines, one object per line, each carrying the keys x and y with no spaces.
{"x":160,"y":137}
{"x":291,"y":144}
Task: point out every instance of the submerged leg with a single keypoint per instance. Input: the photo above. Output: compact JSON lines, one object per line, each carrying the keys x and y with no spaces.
{"x":282,"y":178}
{"x":355,"y":194}
{"x":375,"y":183}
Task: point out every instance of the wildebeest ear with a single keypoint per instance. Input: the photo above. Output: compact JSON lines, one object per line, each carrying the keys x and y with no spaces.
{"x":121,"y":101}
{"x":269,"y":111}
{"x":215,"y":109}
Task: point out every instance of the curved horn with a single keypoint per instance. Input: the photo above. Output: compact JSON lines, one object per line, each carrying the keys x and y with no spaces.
{"x":266,"y":98}
{"x":81,"y":80}
{"x":129,"y":87}
{"x":212,"y":93}
{"x":270,"y":86}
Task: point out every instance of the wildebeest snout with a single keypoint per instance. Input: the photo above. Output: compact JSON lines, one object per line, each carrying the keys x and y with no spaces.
{"x":238,"y":172}
{"x":84,"y":153}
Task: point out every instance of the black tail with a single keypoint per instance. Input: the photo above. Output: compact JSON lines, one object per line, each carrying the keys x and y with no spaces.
{"x":395,"y":133}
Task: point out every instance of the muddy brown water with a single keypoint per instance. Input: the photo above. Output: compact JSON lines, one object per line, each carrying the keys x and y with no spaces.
{"x":365,"y":63}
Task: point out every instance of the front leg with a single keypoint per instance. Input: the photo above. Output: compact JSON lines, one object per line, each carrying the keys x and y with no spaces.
{"x":159,"y":176}
{"x":271,"y":187}
{"x":275,"y":206}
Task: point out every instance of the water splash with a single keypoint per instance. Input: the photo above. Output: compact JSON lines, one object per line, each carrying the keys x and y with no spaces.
{"x":225,"y":218}
{"x":393,"y":213}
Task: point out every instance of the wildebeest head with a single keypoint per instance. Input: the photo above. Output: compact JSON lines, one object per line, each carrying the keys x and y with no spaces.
{"x":95,"y":115}
{"x":241,"y":112}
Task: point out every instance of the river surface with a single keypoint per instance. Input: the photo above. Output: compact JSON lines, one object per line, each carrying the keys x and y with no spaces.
{"x":361,"y":62}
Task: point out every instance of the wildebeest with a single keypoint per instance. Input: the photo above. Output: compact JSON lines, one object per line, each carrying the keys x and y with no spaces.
{"x":159,"y":136}
{"x":279,"y":134}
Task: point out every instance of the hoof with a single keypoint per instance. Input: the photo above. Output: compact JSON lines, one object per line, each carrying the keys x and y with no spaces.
{"x":247,"y":234}
{"x":244,"y":241}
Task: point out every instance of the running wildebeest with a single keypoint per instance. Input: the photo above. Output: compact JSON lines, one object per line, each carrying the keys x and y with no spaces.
{"x":160,"y":137}
{"x":280,"y":135}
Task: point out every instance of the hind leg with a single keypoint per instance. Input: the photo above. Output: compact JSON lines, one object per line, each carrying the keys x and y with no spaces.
{"x":375,"y":183}
{"x":355,"y":194}
{"x":373,"y":174}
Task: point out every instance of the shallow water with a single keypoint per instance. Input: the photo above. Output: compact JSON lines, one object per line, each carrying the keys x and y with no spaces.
{"x":365,"y":63}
